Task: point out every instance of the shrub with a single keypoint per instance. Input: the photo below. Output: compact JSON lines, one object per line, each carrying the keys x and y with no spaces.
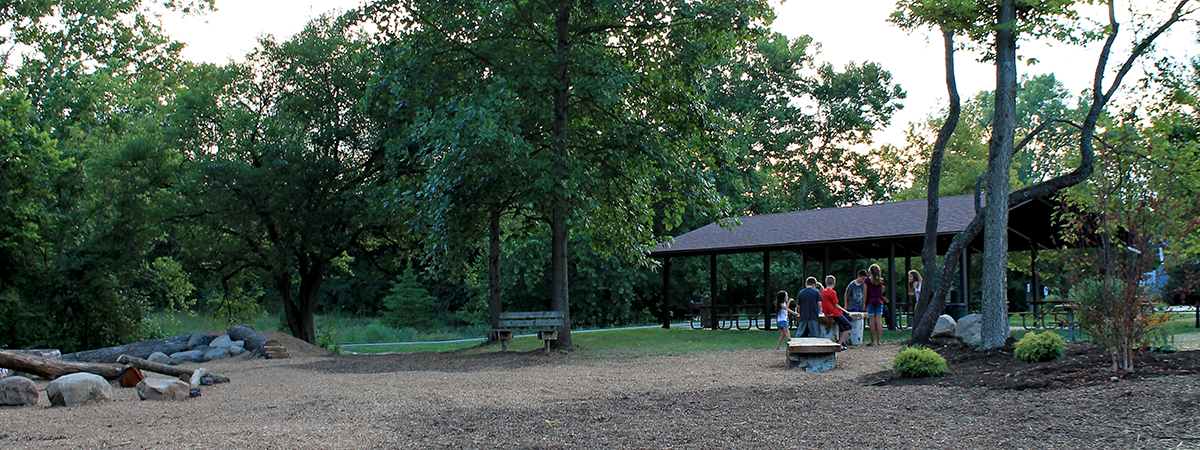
{"x":1035,"y":347}
{"x":919,"y":362}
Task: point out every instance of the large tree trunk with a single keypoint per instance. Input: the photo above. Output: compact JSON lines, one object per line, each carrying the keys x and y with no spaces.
{"x":559,"y":293}
{"x":995,"y":231}
{"x":174,"y":371}
{"x":494,"y":268}
{"x":933,"y":195}
{"x":298,"y":312}
{"x":139,"y":349}
{"x":53,"y":368}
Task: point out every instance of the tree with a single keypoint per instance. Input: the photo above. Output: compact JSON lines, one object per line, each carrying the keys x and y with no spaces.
{"x":287,"y":174}
{"x":982,"y":20}
{"x":611,"y":113}
{"x":793,"y":125}
{"x":94,"y":76}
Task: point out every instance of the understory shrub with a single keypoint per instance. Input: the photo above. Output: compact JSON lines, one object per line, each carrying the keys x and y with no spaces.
{"x":1040,"y":347}
{"x":919,"y":362}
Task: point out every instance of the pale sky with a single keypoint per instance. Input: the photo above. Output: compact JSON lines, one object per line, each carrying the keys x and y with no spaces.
{"x":851,"y":30}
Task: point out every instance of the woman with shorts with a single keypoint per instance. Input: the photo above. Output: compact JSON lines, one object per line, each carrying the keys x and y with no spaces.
{"x":874,"y":290}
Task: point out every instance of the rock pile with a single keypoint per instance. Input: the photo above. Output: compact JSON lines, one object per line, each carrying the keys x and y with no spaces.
{"x":202,"y":347}
{"x":967,"y":329}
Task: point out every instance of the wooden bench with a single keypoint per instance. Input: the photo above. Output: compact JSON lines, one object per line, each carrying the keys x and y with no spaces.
{"x":812,"y":353}
{"x":546,"y":324}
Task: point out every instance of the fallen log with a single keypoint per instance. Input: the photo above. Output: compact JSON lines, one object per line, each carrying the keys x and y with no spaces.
{"x":164,"y":369}
{"x":252,"y":340}
{"x":53,"y":368}
{"x":139,"y":349}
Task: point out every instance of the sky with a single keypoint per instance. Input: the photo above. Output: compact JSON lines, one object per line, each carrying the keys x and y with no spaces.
{"x":853,"y":30}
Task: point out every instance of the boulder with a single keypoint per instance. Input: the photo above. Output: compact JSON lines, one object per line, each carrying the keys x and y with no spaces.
{"x":163,"y":390}
{"x":222,"y":341}
{"x":18,"y":391}
{"x":78,"y":388}
{"x":188,"y":356}
{"x":199,"y":339}
{"x":813,"y":362}
{"x":236,"y":350}
{"x":217,"y":353}
{"x":945,"y":326}
{"x":159,"y":358}
{"x":969,"y":330}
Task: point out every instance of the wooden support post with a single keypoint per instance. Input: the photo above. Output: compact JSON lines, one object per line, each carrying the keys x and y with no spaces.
{"x":803,"y":267}
{"x":769,"y":298}
{"x":825,"y":266}
{"x":910,"y":302}
{"x":712,"y":289}
{"x":666,"y":293}
{"x":1037,"y":288}
{"x":891,"y":311}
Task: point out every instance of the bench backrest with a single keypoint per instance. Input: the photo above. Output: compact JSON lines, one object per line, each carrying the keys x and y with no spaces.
{"x":531,"y":319}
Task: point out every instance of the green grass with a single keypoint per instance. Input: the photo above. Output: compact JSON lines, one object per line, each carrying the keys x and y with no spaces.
{"x":635,"y":342}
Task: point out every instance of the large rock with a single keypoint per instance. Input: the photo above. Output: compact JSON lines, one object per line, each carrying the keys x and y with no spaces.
{"x":968,"y":330}
{"x":217,"y":353}
{"x":199,"y":339}
{"x":78,"y":388}
{"x":813,"y":362}
{"x":945,"y":326}
{"x":18,"y":391}
{"x":237,"y":349}
{"x":163,"y":390}
{"x":159,"y":358}
{"x":221,"y":341}
{"x":188,"y":356}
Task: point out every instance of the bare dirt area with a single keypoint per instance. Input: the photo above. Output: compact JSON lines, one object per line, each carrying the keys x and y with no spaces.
{"x":706,"y":400}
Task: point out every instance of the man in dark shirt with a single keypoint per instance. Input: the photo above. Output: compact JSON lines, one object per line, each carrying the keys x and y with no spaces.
{"x":808,"y":304}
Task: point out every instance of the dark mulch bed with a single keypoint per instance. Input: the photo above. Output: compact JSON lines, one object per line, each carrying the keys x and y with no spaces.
{"x":1084,"y":364}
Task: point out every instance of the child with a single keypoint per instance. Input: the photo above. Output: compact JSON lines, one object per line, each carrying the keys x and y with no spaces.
{"x":832,"y":309}
{"x":808,"y":309}
{"x":781,"y":319}
{"x":874,"y":290}
{"x":854,"y":293}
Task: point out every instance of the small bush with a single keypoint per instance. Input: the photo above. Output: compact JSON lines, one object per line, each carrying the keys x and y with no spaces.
{"x":1040,"y":347}
{"x":919,"y":362}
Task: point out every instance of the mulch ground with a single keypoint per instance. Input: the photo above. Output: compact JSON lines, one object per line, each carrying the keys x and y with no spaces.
{"x":1084,"y":364}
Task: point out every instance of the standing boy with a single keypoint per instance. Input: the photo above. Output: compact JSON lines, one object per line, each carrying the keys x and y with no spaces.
{"x":808,"y":304}
{"x":854,"y":293}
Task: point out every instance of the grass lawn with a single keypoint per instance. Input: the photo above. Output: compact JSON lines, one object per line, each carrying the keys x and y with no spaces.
{"x":627,"y":342}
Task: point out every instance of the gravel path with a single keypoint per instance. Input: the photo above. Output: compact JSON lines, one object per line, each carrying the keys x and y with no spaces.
{"x":533,"y":400}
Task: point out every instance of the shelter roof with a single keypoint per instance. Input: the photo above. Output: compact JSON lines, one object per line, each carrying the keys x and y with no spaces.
{"x":860,"y":230}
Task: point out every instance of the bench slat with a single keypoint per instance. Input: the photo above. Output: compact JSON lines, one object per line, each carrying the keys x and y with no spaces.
{"x":531,"y":315}
{"x":531,"y":323}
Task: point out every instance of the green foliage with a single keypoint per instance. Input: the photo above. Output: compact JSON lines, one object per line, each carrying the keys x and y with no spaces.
{"x":1040,"y":347}
{"x":919,"y":362}
{"x":408,"y":303}
{"x":172,"y":290}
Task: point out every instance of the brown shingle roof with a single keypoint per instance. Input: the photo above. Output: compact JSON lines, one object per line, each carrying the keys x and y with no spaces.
{"x":852,"y":224}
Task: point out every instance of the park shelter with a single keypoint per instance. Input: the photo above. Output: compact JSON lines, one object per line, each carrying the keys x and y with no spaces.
{"x":861,"y":232}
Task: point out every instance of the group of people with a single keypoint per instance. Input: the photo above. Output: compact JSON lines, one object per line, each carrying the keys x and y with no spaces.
{"x":863,"y":294}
